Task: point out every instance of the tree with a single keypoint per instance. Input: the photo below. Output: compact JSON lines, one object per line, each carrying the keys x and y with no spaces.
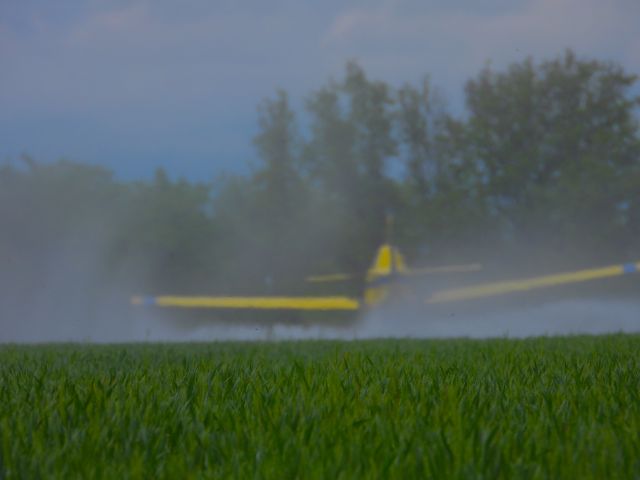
{"x":167,"y":234}
{"x":278,"y":174}
{"x":58,"y":224}
{"x":554,"y":143}
{"x":335,"y":175}
{"x":330,"y":154}
{"x":420,"y":119}
{"x":348,"y":154}
{"x":370,"y":114}
{"x":280,"y":192}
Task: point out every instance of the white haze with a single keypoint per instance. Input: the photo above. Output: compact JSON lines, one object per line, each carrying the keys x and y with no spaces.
{"x":559,"y":318}
{"x":132,"y":325}
{"x":74,"y":302}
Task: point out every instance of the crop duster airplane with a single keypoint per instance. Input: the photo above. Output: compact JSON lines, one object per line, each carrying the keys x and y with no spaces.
{"x":386,"y":276}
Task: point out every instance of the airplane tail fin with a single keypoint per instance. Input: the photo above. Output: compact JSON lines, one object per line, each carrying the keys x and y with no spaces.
{"x":387,"y":264}
{"x":388,"y":261}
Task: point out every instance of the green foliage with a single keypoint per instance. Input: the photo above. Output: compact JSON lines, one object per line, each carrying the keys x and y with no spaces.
{"x":349,"y":153}
{"x":555,"y":143}
{"x":40,"y":204}
{"x":167,"y":233}
{"x":545,"y":160}
{"x":49,"y":215}
{"x":545,"y":408}
{"x":71,"y":233}
{"x":417,"y":123}
{"x":278,"y":176}
{"x":441,"y":204}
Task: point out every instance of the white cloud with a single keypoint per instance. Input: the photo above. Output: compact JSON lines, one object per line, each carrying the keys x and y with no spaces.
{"x":134,"y":54}
{"x":455,"y":43}
{"x":149,"y":66}
{"x":117,"y":21}
{"x":144,"y":53}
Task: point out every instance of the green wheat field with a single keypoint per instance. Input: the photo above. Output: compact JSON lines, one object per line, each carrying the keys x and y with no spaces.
{"x":538,"y":408}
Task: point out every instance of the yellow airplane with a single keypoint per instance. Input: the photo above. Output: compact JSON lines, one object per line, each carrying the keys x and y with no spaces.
{"x":386,"y":271}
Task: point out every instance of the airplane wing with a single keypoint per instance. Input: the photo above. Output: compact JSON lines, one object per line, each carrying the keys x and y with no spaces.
{"x":331,"y":277}
{"x":464,"y":268}
{"x":410,"y":272}
{"x":501,"y":288}
{"x":251,"y":303}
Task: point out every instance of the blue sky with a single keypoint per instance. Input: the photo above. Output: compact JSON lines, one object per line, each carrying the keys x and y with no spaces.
{"x":136,"y":84}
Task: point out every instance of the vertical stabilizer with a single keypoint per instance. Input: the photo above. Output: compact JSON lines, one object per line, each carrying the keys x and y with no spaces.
{"x":387,"y":263}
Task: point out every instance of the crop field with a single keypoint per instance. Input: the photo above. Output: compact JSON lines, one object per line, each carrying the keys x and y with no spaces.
{"x":538,"y":408}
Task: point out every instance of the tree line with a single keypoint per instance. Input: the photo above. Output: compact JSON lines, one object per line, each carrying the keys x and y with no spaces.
{"x":543,"y":163}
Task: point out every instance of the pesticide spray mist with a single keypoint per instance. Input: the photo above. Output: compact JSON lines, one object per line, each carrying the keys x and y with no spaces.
{"x":72,"y":301}
{"x":110,"y":322}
